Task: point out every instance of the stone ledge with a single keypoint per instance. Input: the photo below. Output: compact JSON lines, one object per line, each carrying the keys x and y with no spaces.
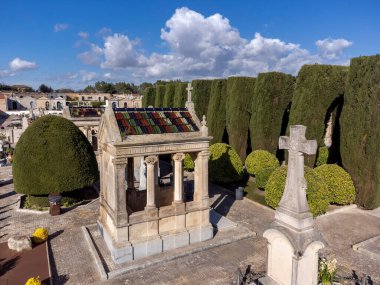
{"x":366,"y":247}
{"x":109,"y":270}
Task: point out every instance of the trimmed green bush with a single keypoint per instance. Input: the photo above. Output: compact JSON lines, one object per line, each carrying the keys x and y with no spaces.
{"x":225,"y":165}
{"x":180,"y":95}
{"x":188,"y":163}
{"x":168,"y":101}
{"x":216,"y":113}
{"x":339,"y":182}
{"x":322,"y":156}
{"x":53,"y":155}
{"x":159,"y":97}
{"x":149,"y":97}
{"x":317,"y":190}
{"x":360,"y":131}
{"x":201,"y":96}
{"x":262,"y":177}
{"x":270,"y":110}
{"x":260,"y":159}
{"x":317,"y":88}
{"x":240,"y":91}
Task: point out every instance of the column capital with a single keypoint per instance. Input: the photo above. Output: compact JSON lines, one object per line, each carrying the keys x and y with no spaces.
{"x":204,"y":154}
{"x":151,"y":159}
{"x":178,"y":156}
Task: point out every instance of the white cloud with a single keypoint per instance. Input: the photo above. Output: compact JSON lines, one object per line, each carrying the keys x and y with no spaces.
{"x":107,"y":75}
{"x":83,"y":35}
{"x":60,"y":27}
{"x":6,"y":73}
{"x":88,"y":76}
{"x":200,"y":46}
{"x":332,"y":48}
{"x":19,"y":64}
{"x":91,"y":57}
{"x":119,"y":52}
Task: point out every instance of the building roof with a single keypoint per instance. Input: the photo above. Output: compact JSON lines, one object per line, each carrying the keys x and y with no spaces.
{"x":143,"y":121}
{"x":86,"y":111}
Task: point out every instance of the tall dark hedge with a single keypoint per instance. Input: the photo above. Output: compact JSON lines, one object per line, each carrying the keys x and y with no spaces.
{"x":360,"y":129}
{"x":216,"y":113}
{"x":159,"y":97}
{"x":270,"y":110}
{"x":149,"y":96}
{"x":201,"y":96}
{"x":180,"y":96}
{"x":317,"y":89}
{"x":240,"y":91}
{"x":53,"y":155}
{"x":169,"y":95}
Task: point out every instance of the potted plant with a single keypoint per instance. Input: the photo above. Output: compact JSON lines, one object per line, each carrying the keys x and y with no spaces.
{"x":327,"y":270}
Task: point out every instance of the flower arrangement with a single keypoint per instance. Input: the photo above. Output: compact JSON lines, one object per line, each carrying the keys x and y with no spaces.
{"x":327,"y":269}
{"x":33,"y":281}
{"x":40,"y":235}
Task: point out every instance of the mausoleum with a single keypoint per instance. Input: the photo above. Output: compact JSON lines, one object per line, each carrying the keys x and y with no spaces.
{"x":165,"y":220}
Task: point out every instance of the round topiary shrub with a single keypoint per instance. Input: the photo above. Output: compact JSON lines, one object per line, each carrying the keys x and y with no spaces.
{"x":262,"y":177}
{"x":323,"y":155}
{"x":225,"y":165}
{"x":339,"y":182}
{"x":53,"y":156}
{"x":317,"y":190}
{"x":40,"y":235}
{"x":260,"y":159}
{"x":188,"y":163}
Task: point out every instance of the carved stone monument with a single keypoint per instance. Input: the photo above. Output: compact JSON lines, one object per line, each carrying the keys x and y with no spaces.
{"x":293,"y":241}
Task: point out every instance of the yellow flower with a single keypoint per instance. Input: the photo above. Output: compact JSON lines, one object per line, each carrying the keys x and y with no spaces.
{"x":33,"y":281}
{"x":40,"y":235}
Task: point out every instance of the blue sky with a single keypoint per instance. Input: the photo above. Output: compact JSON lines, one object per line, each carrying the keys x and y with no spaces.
{"x":75,"y":43}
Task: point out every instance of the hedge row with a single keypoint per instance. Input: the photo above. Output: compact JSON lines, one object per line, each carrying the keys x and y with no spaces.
{"x":360,"y":131}
{"x":270,"y":110}
{"x":169,"y":95}
{"x":149,"y":96}
{"x":159,"y":96}
{"x":201,"y":96}
{"x":240,"y":91}
{"x":180,"y":95}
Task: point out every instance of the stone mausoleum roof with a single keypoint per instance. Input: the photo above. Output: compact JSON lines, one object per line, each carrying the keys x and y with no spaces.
{"x":144,"y":121}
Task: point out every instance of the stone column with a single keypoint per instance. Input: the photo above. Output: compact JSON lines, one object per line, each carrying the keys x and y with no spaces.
{"x":142,"y":185}
{"x":178,"y":177}
{"x":130,"y":174}
{"x":150,"y":189}
{"x":120,"y":195}
{"x":201,"y":176}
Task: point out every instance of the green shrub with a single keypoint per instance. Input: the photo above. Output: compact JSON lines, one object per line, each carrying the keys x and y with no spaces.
{"x":360,"y":131}
{"x":262,"y":176}
{"x":149,"y":96}
{"x":216,"y":114}
{"x":169,"y":95}
{"x":260,"y":159}
{"x":159,"y":97}
{"x":180,"y":95}
{"x":53,"y":156}
{"x":43,"y":200}
{"x":317,"y":87}
{"x":317,"y":190}
{"x":201,"y":96}
{"x":339,"y":182}
{"x":188,"y":163}
{"x":322,"y":156}
{"x":225,"y":165}
{"x":240,"y":91}
{"x":270,"y":110}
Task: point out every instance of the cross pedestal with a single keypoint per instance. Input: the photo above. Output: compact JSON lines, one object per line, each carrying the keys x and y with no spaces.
{"x":293,"y":241}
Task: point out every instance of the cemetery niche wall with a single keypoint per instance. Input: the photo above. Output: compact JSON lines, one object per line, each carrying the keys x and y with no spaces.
{"x":164,"y":220}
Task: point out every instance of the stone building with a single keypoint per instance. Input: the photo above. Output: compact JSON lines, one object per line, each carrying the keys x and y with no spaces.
{"x":136,"y":223}
{"x":51,"y":101}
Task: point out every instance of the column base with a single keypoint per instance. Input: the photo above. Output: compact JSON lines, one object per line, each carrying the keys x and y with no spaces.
{"x":267,"y":281}
{"x":201,"y":233}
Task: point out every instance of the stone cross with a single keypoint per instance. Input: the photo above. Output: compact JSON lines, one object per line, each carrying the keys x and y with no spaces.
{"x":189,"y":89}
{"x":294,"y":197}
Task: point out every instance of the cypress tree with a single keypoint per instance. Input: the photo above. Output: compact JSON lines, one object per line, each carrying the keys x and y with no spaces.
{"x":160,"y":93}
{"x":148,"y":99}
{"x":317,"y":89}
{"x":216,"y":113}
{"x":180,"y":95}
{"x":169,"y":95}
{"x":240,"y":91}
{"x":201,"y":96}
{"x":270,"y":110}
{"x":360,"y":131}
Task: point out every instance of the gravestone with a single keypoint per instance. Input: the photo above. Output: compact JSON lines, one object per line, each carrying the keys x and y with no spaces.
{"x":293,"y":240}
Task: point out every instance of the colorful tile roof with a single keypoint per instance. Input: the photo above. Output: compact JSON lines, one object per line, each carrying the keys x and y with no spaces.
{"x":77,"y":112}
{"x":144,"y":121}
